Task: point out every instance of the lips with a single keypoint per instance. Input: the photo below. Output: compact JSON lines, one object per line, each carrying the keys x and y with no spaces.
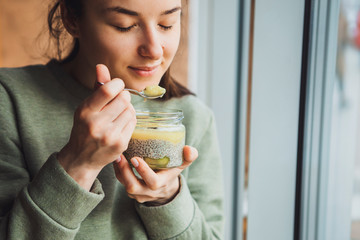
{"x":144,"y":71}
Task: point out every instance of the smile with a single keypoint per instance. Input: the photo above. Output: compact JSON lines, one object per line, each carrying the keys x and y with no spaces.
{"x":144,"y":71}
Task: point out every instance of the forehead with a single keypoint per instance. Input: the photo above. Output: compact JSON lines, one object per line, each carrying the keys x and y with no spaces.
{"x":142,"y":7}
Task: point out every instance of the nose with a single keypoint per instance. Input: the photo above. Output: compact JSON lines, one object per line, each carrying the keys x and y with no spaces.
{"x":151,"y":46}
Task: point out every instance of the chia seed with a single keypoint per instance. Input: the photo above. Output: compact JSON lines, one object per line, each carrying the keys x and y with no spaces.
{"x":156,"y":149}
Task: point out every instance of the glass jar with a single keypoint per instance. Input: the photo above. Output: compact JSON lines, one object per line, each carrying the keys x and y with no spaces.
{"x":158,"y":138}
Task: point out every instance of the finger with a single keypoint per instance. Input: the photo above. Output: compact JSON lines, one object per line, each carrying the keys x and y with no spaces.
{"x":124,"y":125}
{"x":150,"y":178}
{"x":190,"y":154}
{"x":127,"y":131}
{"x":123,"y":136}
{"x":102,"y":74}
{"x":127,"y":116}
{"x":130,"y":126}
{"x":114,"y":108}
{"x":105,"y":94}
{"x":117,"y":136}
{"x":131,"y":183}
{"x":117,"y":170}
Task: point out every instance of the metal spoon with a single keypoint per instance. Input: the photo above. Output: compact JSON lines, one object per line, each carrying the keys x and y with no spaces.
{"x":142,"y":94}
{"x":133,"y":91}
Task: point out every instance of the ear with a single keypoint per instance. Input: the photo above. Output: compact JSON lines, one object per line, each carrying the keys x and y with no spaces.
{"x":69,"y":21}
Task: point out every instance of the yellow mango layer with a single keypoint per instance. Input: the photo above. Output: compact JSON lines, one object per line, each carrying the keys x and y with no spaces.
{"x":146,"y":134}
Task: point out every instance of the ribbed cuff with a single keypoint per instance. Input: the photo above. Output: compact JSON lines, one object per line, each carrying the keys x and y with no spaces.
{"x":60,"y":197}
{"x":169,"y":220}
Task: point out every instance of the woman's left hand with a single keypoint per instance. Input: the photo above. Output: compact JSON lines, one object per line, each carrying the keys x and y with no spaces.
{"x":155,"y":188}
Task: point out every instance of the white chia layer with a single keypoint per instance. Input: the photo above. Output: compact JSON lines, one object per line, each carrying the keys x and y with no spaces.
{"x":156,"y":149}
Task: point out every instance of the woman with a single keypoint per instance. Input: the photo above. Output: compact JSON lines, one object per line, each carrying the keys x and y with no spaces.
{"x":63,"y":174}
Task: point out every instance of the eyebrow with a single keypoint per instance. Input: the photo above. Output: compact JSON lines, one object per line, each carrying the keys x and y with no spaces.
{"x":167,"y":12}
{"x":133,"y":13}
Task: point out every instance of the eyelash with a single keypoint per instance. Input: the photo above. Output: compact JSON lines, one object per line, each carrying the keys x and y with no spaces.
{"x":121,"y":29}
{"x":127,"y":29}
{"x":165,"y":27}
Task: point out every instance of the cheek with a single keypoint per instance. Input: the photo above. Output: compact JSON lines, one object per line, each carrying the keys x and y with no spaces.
{"x":94,"y":44}
{"x":171,"y":46}
{"x":106,"y":46}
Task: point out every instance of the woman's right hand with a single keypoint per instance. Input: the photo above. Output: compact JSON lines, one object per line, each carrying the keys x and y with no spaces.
{"x":103,"y":125}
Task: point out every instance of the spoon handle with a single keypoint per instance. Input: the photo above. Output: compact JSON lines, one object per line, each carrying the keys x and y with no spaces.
{"x":99,"y":84}
{"x":132,"y":91}
{"x":135,"y":92}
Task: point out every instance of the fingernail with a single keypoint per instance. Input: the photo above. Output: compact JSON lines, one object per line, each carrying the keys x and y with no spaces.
{"x":193,"y":152}
{"x":118,"y":159}
{"x":134,"y":162}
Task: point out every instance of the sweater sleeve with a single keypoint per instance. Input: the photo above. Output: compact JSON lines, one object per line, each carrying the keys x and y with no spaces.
{"x":197,"y":211}
{"x":52,"y":205}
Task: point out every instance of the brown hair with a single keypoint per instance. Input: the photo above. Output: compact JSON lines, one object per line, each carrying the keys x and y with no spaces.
{"x":57,"y":32}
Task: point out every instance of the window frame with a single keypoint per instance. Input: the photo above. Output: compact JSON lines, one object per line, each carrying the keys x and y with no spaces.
{"x":321,"y":65}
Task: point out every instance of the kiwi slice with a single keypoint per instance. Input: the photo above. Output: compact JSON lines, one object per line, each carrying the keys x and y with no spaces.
{"x":157,"y":163}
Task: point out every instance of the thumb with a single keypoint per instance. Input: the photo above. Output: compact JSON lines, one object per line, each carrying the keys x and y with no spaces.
{"x":102,"y":75}
{"x":190,"y":155}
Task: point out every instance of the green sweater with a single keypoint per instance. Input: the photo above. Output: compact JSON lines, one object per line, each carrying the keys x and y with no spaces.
{"x":39,"y":200}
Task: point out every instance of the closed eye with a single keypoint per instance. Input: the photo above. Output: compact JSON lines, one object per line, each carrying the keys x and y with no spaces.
{"x":165,"y":27}
{"x":125,"y":29}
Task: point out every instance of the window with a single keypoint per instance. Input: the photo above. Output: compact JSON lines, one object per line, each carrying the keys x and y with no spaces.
{"x":330,"y":196}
